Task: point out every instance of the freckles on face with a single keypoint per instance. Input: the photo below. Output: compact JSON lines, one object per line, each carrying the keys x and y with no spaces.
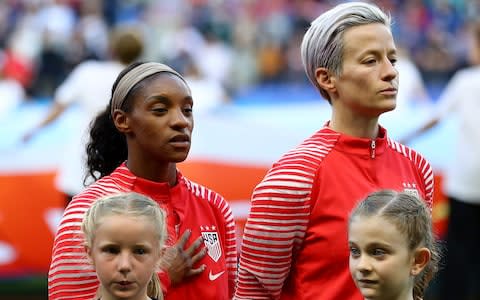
{"x":369,"y":81}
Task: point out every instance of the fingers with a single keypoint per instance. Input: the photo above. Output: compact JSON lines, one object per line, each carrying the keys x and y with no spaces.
{"x":194,"y":246}
{"x":193,"y":272}
{"x":182,"y":241}
{"x":197,"y":257}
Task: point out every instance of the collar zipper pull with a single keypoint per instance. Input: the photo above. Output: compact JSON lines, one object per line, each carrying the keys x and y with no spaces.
{"x":372,"y":149}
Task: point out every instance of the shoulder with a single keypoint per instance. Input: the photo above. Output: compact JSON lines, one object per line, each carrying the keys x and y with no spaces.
{"x":204,"y":194}
{"x":411,"y":155}
{"x":305,"y":159}
{"x":420,"y":163}
{"x":107,"y":185}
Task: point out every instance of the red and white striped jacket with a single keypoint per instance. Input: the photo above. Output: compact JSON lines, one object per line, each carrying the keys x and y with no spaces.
{"x":295,"y":242}
{"x":188,"y":205}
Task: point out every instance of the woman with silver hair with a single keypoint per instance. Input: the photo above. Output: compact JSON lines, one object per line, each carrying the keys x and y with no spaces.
{"x":134,"y":146}
{"x":294,"y":244}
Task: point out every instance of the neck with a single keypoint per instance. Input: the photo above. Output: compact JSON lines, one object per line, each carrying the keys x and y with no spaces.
{"x":354,"y":125}
{"x":151,"y":170}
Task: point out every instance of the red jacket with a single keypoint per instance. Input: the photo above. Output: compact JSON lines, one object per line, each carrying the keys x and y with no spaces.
{"x":295,"y":242}
{"x":188,"y":206}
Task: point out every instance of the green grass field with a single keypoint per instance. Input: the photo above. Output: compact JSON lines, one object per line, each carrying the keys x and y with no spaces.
{"x":27,"y":288}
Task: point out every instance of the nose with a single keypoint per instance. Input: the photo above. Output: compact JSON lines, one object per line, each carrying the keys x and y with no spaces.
{"x":363,"y":264}
{"x":179,"y":119}
{"x":389,"y":71}
{"x":124,"y":263}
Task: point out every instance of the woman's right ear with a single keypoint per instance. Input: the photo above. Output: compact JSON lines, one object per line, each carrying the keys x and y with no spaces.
{"x":325,"y":79}
{"x":120,"y":120}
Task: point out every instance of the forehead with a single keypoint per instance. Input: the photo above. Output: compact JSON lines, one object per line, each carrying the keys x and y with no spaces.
{"x":367,"y":38}
{"x":125,"y":229}
{"x":166,"y":83}
{"x":375,"y":229}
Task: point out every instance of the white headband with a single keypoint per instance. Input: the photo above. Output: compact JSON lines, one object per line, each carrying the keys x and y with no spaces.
{"x":134,"y":76}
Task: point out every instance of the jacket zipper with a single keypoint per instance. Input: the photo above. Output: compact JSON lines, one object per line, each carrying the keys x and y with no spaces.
{"x":372,"y":149}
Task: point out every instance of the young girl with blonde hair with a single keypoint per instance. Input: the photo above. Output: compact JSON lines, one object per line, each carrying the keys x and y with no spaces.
{"x":124,"y":237}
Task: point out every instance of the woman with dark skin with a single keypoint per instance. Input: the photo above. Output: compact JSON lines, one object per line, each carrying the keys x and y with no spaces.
{"x":134,"y":147}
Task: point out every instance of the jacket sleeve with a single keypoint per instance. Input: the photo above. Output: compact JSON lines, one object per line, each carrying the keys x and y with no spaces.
{"x":275,"y":228}
{"x":230,"y":249}
{"x":71,"y":276}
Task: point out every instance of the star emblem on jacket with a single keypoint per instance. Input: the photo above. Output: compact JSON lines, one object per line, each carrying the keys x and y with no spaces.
{"x":411,"y":188}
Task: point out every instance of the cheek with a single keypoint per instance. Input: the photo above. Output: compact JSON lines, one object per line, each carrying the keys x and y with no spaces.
{"x":351,"y":265}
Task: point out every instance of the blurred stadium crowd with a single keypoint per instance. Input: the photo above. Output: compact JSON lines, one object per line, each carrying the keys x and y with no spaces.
{"x":239,"y":43}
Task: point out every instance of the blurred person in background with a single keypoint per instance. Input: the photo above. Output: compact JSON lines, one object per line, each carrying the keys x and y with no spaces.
{"x":12,"y":92}
{"x":56,"y":22}
{"x":460,"y":278}
{"x":209,"y":93}
{"x":294,"y":243}
{"x":88,"y":86}
{"x":411,"y":91}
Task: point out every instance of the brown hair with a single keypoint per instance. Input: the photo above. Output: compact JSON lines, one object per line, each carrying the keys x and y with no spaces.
{"x":412,"y":217}
{"x":126,"y":45}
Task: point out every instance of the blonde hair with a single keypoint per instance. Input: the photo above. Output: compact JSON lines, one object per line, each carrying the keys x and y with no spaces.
{"x":412,"y":218}
{"x":132,"y":205}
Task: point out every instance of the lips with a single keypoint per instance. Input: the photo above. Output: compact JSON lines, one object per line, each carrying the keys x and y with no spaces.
{"x":180,"y":142}
{"x":389,"y":90}
{"x":124,"y":285}
{"x":180,"y":138}
{"x":366,"y":281}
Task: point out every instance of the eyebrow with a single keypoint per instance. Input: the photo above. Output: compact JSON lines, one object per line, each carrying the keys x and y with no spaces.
{"x":165,"y":99}
{"x":376,"y":51}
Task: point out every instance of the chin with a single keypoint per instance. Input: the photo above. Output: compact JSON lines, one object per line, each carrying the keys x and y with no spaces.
{"x":179,"y":158}
{"x":386,"y":108}
{"x":369,"y":294}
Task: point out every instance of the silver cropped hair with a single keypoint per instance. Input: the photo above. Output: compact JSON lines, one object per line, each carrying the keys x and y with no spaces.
{"x":322,"y":44}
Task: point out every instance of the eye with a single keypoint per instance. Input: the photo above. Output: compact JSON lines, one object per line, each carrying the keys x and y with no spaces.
{"x":110,"y":250}
{"x":140,"y":251}
{"x":354,"y":252}
{"x":188,"y":109}
{"x":378,"y":252}
{"x":159,"y":109}
{"x":393,"y":61}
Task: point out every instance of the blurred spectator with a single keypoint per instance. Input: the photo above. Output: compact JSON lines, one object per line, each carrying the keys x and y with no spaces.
{"x":17,"y":68}
{"x":434,"y":57}
{"x":89,"y":87}
{"x":11,"y":91}
{"x":411,"y":91}
{"x":91,"y":32}
{"x":56,"y":27}
{"x":239,"y":43}
{"x":460,"y":279}
{"x":207,"y":92}
{"x":215,"y":58}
